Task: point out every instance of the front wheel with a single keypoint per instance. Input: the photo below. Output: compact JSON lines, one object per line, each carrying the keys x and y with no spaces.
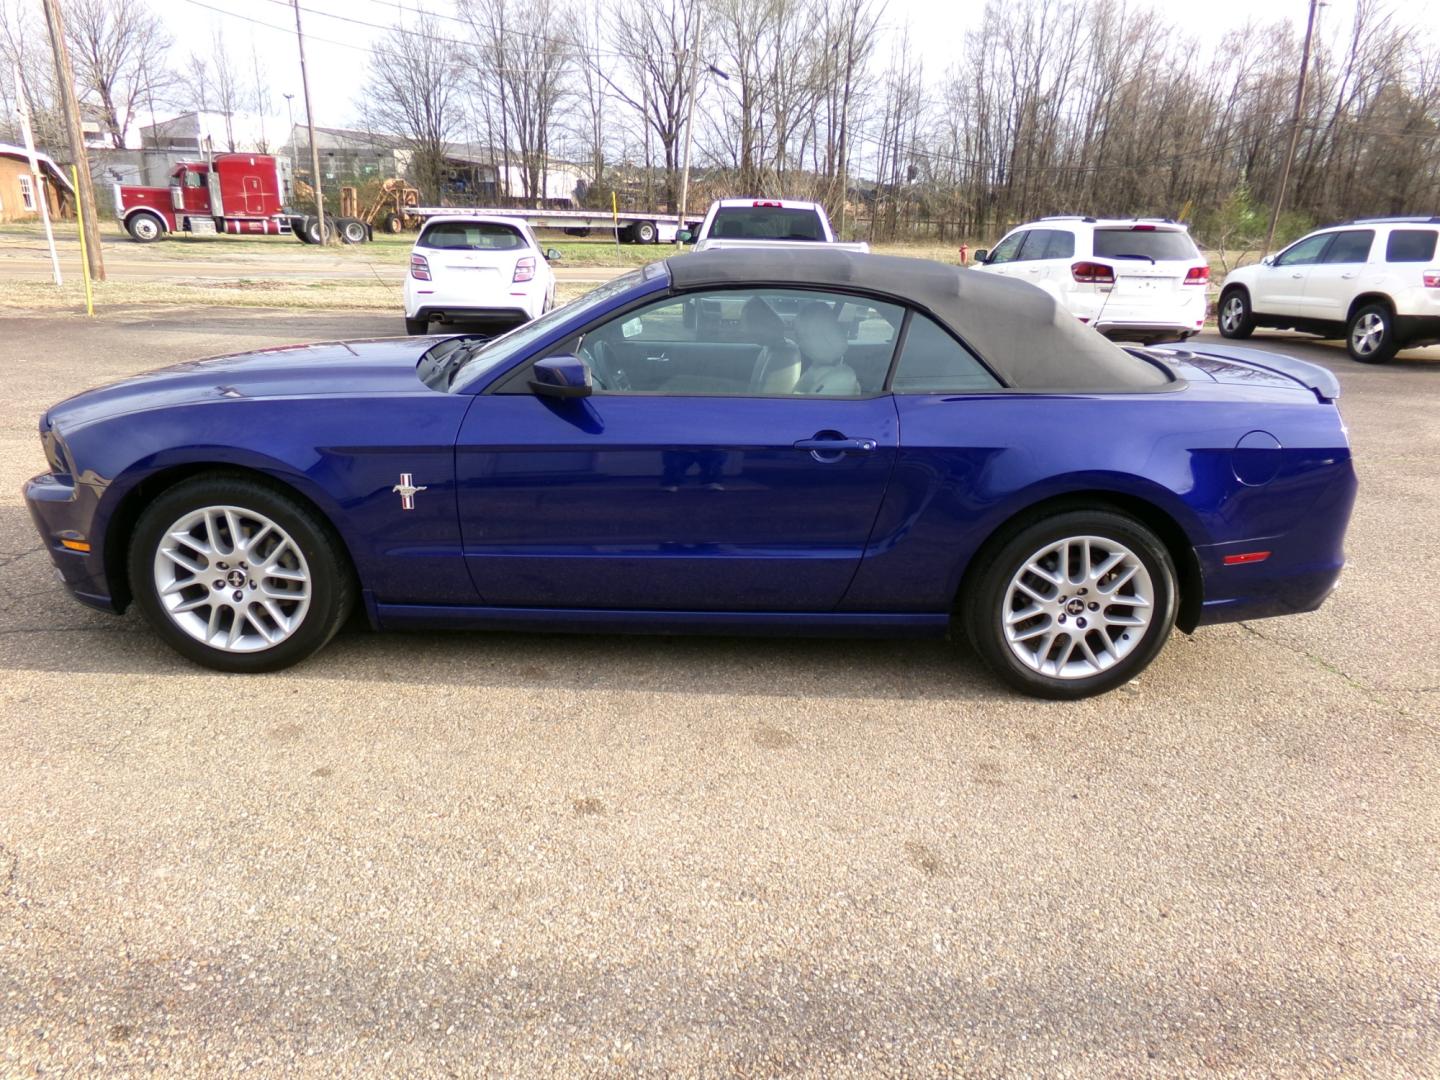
{"x":1236,"y":320}
{"x":1370,"y":337}
{"x":144,"y":228}
{"x":1073,"y":605}
{"x":237,"y":576}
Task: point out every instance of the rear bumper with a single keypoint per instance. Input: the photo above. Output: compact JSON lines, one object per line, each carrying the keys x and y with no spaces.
{"x":1417,"y":329}
{"x":486,"y":316}
{"x":60,"y":513}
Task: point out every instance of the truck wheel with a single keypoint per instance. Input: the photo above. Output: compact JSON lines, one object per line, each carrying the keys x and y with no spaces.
{"x":393,"y":224}
{"x":353,"y":232}
{"x":644,"y":232}
{"x":144,"y":228}
{"x":314,"y":234}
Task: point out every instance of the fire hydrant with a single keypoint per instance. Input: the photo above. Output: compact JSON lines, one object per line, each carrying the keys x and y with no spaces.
{"x":964,"y":253}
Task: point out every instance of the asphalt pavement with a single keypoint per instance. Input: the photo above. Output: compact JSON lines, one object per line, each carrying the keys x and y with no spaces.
{"x":471,"y":854}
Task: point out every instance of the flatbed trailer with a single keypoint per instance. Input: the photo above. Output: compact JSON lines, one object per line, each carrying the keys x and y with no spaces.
{"x":629,"y":227}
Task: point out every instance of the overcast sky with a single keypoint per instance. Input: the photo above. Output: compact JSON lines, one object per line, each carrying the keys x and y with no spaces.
{"x":337,"y":49}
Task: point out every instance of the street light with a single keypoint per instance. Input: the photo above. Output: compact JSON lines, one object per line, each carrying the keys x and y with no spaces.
{"x":290,"y":115}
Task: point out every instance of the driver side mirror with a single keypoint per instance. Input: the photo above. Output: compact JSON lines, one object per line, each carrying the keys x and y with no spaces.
{"x":551,"y":254}
{"x":1268,"y":260}
{"x":562,"y":377}
{"x":982,"y":255}
{"x":684,"y":236}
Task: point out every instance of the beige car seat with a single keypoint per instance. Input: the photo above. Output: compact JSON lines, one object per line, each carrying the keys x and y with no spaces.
{"x":823,"y":344}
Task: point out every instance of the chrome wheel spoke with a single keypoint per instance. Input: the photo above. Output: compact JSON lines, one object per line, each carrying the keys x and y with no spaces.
{"x":1102,"y":603}
{"x":244,"y":603}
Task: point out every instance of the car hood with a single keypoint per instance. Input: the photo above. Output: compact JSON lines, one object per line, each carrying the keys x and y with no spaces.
{"x":325,"y":369}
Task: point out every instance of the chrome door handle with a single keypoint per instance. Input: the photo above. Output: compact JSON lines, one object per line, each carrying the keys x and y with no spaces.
{"x":1297,"y":277}
{"x":1347,"y":277}
{"x":829,"y":451}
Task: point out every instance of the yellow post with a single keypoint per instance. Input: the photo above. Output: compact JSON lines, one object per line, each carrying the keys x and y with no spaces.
{"x":615,"y":217}
{"x":84,"y":255}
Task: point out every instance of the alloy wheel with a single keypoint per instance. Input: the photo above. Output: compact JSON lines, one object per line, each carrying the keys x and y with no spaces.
{"x":1367,"y":334}
{"x":1233,"y":314}
{"x":1077,"y":607}
{"x":232,"y":579}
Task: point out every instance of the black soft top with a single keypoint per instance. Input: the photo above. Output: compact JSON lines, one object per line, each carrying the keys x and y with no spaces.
{"x":1027,"y":338}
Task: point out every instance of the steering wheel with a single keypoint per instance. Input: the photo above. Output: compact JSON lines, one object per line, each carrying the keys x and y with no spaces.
{"x":606,"y":373}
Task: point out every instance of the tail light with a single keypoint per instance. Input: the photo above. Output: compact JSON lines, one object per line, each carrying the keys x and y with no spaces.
{"x":1094,"y":273}
{"x":1197,"y":275}
{"x":419,"y":268}
{"x":524,"y":268}
{"x":762,"y":202}
{"x":1432,"y":279}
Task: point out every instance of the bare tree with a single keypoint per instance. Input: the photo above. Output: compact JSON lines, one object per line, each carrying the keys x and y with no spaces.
{"x":227,"y":86}
{"x":414,"y":88}
{"x":652,"y":75}
{"x":529,"y":72}
{"x":117,"y":47}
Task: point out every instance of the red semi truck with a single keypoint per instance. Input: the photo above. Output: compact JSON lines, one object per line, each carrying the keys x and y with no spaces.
{"x":229,"y":193}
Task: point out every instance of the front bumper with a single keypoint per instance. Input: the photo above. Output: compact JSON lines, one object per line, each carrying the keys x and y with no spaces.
{"x":62,"y":510}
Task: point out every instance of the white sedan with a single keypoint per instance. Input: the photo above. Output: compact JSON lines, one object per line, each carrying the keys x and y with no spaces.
{"x":484,"y":270}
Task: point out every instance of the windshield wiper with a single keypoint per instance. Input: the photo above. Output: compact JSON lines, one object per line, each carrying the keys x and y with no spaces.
{"x":1132,"y":255}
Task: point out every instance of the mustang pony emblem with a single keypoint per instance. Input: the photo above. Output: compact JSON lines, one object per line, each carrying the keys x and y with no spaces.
{"x":407,"y":489}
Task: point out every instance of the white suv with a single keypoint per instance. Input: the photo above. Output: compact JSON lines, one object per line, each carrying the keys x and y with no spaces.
{"x":1133,"y":279}
{"x":1375,"y":282}
{"x":481,"y":269}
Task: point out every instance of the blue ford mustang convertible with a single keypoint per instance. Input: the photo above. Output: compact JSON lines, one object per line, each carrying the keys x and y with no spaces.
{"x":800,"y":442}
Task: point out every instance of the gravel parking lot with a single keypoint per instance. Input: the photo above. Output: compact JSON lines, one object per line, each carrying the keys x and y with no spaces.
{"x":473,"y":854}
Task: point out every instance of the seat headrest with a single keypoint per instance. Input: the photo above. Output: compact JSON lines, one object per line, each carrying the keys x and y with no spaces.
{"x":819,"y":335}
{"x":761,"y":323}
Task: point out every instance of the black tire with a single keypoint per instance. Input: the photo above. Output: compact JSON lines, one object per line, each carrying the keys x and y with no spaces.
{"x":145,"y":228}
{"x":1370,"y":335}
{"x":393,"y":224}
{"x":315,"y":234}
{"x":415,"y":327}
{"x":1234,"y":312}
{"x":987,"y":602}
{"x":353,"y":231}
{"x":331,"y":582}
{"x":645,"y":232}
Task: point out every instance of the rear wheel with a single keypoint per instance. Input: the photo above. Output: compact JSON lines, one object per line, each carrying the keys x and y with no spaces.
{"x":237,"y":576}
{"x":1073,"y":605}
{"x":353,"y":232}
{"x":1235,"y":317}
{"x":1370,"y":337}
{"x":644,"y":232}
{"x":414,"y":327}
{"x":393,"y":224}
{"x":144,"y":228}
{"x":314,"y":233}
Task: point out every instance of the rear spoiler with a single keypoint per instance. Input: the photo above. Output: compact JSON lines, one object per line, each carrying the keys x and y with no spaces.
{"x":1320,"y":380}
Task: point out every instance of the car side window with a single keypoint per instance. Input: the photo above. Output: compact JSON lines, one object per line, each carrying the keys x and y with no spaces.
{"x":1304,"y":252}
{"x":1061,"y":245}
{"x":1352,"y":246}
{"x":933,"y":362}
{"x":1008,"y":250}
{"x":755,"y":342}
{"x":1411,"y":245}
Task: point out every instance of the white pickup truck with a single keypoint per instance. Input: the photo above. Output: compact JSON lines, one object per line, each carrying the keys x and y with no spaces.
{"x":760,"y":224}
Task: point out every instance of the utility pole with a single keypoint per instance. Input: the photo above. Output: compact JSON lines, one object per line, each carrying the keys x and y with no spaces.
{"x":1294,"y":128}
{"x":309,"y":124}
{"x":690,"y":116}
{"x":65,"y":76}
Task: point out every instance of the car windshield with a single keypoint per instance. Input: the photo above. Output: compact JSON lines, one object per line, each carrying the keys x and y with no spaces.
{"x":1144,"y":243}
{"x":468,"y":364}
{"x":472,"y":236}
{"x":766,"y":223}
